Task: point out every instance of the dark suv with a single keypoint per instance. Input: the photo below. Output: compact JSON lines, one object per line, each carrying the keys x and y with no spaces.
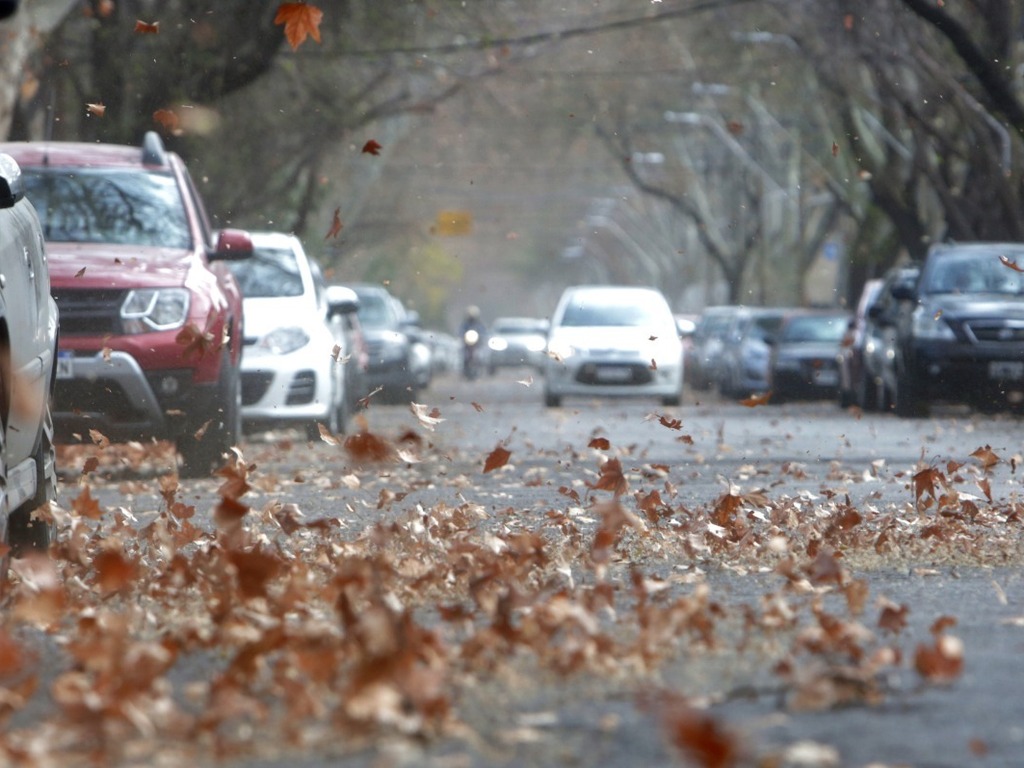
{"x":960,"y":337}
{"x":151,"y":317}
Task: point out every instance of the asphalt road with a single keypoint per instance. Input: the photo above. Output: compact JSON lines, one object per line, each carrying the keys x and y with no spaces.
{"x":804,"y":463}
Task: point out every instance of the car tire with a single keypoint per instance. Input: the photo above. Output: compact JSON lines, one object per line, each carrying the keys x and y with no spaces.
{"x":552,"y":400}
{"x":907,"y":400}
{"x":25,"y":533}
{"x":201,"y":457}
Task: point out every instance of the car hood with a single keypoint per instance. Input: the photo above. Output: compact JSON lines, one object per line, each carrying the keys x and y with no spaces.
{"x":263,"y":315}
{"x":808,"y":349}
{"x":975,"y":305}
{"x":596,"y":338}
{"x":101,"y":265}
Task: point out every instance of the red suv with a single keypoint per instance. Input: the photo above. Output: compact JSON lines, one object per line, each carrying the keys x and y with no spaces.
{"x":151,"y":316}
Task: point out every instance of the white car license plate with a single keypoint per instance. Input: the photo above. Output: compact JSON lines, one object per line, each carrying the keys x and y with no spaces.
{"x":612,"y":373}
{"x":826,"y":378}
{"x":65,"y":365}
{"x":1006,"y":370}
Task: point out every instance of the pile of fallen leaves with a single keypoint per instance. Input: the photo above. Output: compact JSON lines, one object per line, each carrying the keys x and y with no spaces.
{"x":302,"y":633}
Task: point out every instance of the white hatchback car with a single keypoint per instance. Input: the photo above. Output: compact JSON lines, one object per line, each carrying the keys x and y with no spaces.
{"x":613,"y":341}
{"x":28,"y":351}
{"x":293,"y":355}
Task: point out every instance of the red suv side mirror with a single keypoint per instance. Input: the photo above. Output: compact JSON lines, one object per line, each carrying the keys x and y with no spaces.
{"x":232,"y":245}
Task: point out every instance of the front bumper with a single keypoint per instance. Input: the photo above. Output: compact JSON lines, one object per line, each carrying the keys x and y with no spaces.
{"x":288,"y":388}
{"x":114,"y":395}
{"x":596,"y":377}
{"x":969,"y":373}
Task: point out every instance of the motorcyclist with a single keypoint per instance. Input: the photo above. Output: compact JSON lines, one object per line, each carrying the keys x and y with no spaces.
{"x":473,"y":333}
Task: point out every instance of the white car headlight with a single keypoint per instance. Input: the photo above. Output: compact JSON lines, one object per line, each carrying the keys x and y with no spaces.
{"x":931,"y":326}
{"x":560,"y":351}
{"x":154,"y":309}
{"x":497,"y":343}
{"x":281,"y":341}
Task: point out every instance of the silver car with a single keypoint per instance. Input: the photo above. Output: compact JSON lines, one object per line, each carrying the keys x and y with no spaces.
{"x":28,"y":354}
{"x":610,"y":341}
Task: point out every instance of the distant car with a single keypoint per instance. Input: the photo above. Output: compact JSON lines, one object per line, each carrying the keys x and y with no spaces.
{"x":746,"y":352}
{"x":704,"y":362}
{"x":879,"y":342}
{"x":855,"y":382}
{"x":151,"y":315}
{"x":612,"y":341}
{"x":28,"y":354}
{"x":515,"y":342}
{"x":803,"y":361}
{"x":291,"y":373}
{"x":393,"y":361}
{"x":961,"y":339}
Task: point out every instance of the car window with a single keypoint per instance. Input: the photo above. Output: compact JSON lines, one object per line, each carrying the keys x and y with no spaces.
{"x":609,"y":311}
{"x":270,"y":273}
{"x":109,"y":206}
{"x":811,"y":329}
{"x":376,"y":311}
{"x":974,"y":272}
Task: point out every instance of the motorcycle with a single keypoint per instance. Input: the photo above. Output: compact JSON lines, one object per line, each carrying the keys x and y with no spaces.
{"x":471,"y":342}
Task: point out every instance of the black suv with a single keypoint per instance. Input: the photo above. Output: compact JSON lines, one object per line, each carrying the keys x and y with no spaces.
{"x":960,"y":336}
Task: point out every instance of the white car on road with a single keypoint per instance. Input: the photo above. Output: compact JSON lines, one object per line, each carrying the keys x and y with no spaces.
{"x":613,"y":341}
{"x":293,"y":357}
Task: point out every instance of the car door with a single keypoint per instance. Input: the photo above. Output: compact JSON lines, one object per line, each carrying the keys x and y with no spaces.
{"x":25,"y":291}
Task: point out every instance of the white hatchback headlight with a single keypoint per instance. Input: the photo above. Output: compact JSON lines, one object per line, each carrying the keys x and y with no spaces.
{"x":155,"y":309}
{"x":281,"y":341}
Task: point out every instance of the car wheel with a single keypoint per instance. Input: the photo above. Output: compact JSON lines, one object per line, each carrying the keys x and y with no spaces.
{"x":25,"y":533}
{"x":552,"y":401}
{"x":201,"y":455}
{"x":908,"y":402}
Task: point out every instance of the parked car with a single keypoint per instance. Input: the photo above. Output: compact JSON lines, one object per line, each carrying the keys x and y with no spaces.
{"x":803,"y":360}
{"x":871,"y":383}
{"x":152,"y":323}
{"x":421,"y":354}
{"x":292,"y":375}
{"x":961,"y":336}
{"x":703,"y":364}
{"x":28,"y":354}
{"x":854,"y":380}
{"x":516,"y":341}
{"x":746,"y":352}
{"x":392,"y":358}
{"x":612,"y":341}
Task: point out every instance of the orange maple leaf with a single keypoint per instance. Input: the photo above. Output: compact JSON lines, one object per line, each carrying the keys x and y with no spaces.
{"x":301,"y":20}
{"x":372,"y":147}
{"x":336,"y":225}
{"x":147,"y":28}
{"x":97,"y":109}
{"x":168,"y":119}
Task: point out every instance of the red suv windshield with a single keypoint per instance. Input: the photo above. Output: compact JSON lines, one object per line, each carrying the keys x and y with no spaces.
{"x":123,"y":207}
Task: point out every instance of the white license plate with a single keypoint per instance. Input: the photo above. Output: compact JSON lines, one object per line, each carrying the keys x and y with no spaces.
{"x":1006,"y":370}
{"x":65,"y":365}
{"x":612,"y":374}
{"x":826,"y":378}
